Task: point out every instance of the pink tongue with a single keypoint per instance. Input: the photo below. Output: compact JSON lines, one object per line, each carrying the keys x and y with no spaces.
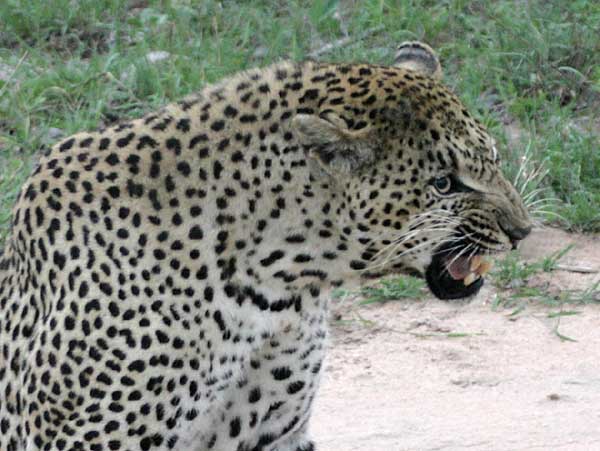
{"x":459,"y":268}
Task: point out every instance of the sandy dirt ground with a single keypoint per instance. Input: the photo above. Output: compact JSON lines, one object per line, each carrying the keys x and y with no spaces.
{"x":432,"y":375}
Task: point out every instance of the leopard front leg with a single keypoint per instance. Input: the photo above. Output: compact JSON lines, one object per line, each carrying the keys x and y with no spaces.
{"x":298,"y":441}
{"x":283,"y":383}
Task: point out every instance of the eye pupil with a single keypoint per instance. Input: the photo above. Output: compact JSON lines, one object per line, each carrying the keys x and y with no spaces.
{"x":442,"y":184}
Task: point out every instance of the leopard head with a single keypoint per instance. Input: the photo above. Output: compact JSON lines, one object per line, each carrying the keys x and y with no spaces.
{"x":420,"y":178}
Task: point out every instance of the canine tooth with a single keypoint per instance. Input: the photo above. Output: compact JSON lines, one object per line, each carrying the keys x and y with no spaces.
{"x":475,"y":262}
{"x":470,"y":279}
{"x":484,"y":267}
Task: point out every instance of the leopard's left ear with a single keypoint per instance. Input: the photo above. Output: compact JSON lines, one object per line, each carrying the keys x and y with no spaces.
{"x":419,"y":57}
{"x":337,"y":149}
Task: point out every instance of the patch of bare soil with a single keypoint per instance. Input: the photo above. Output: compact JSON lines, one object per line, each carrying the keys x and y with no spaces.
{"x":459,"y":376}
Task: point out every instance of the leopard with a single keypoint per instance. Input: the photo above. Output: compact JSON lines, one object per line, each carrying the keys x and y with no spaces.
{"x":166,"y":280}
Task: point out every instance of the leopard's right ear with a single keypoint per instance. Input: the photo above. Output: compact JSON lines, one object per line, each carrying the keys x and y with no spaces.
{"x":337,"y":149}
{"x":419,"y":57}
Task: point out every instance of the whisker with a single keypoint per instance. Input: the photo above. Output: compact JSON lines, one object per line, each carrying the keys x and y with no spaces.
{"x":549,"y":213}
{"x":547,"y":200}
{"x":533,"y":193}
{"x":536,"y":174}
{"x":412,"y":234}
{"x":433,"y":243}
{"x":390,"y":258}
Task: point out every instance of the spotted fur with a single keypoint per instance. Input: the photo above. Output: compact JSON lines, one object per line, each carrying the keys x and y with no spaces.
{"x":165,"y":282}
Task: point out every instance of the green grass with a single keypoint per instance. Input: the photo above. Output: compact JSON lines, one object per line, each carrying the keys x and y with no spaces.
{"x":404,"y":287}
{"x":510,"y":271}
{"x":512,"y":276}
{"x":516,"y":292}
{"x":393,"y":289}
{"x":535,"y":66}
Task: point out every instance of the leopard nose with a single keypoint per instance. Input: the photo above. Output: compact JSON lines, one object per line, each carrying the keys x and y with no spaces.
{"x":516,"y":234}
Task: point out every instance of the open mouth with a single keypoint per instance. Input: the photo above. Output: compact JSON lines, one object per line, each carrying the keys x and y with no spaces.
{"x":452,"y":275}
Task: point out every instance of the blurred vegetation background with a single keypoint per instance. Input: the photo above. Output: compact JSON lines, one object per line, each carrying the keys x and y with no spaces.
{"x":529,"y":69}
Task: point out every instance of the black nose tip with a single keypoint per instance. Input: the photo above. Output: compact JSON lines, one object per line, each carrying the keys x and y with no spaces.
{"x":516,"y":234}
{"x":519,"y":233}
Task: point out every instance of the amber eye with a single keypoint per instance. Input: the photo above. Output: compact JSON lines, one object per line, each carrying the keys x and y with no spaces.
{"x":442,"y":184}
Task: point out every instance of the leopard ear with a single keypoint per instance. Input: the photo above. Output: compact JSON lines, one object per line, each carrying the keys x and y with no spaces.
{"x":419,"y":57}
{"x":337,"y":149}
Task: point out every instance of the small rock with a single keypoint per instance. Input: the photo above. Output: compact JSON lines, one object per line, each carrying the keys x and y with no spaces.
{"x":463,"y":383}
{"x":516,"y":283}
{"x":156,"y":56}
{"x":431,"y":325}
{"x":55,"y":133}
{"x":260,"y":52}
{"x":127,"y":74}
{"x":6,"y":72}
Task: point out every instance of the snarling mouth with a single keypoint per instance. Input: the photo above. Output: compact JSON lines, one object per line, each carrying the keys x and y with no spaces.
{"x":452,"y":275}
